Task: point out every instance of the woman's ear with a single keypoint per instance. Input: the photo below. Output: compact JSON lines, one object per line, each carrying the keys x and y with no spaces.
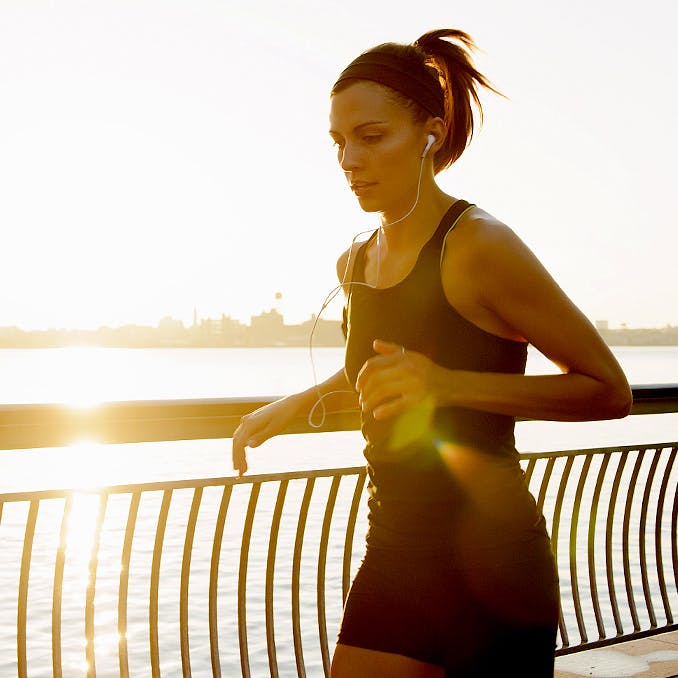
{"x":436,"y":128}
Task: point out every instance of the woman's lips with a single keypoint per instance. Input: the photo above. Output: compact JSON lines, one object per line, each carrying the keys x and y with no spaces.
{"x":361,"y":187}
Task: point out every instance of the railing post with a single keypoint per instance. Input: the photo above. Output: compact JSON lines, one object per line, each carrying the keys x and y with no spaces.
{"x":155,"y":582}
{"x":123,"y":658}
{"x":214,"y":581}
{"x":23,"y":589}
{"x":58,"y":588}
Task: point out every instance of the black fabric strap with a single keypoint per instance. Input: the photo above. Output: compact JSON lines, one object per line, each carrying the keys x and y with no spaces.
{"x":448,"y":222}
{"x":399,"y":74}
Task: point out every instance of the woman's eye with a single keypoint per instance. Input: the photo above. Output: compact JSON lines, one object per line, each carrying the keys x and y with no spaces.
{"x":372,"y":138}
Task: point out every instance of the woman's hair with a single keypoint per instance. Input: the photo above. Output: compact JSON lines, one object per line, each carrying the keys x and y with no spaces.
{"x":411,"y":72}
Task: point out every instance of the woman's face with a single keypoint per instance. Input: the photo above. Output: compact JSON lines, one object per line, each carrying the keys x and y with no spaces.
{"x":379,"y":146}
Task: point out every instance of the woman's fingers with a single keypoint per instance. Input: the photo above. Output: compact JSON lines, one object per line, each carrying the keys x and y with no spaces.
{"x":239,"y":456}
{"x":387,"y":390}
{"x":393,"y":380}
{"x":388,"y":355}
{"x":239,"y":460}
{"x":387,"y":347}
{"x":248,"y":434}
{"x":257,"y":427}
{"x":386,"y":387}
{"x":394,"y":406}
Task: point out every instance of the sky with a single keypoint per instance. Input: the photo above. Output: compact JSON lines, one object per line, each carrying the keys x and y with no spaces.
{"x":158,"y":156}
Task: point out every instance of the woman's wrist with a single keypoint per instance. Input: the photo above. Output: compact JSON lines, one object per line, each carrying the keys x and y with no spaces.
{"x":335,"y":393}
{"x":447,"y":386}
{"x":303,"y":401}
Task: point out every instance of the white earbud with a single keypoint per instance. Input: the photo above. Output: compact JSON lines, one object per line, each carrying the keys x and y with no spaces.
{"x":430,"y":141}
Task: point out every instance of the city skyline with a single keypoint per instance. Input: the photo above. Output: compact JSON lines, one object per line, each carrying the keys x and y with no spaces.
{"x":195,"y":317}
{"x":266,"y":329}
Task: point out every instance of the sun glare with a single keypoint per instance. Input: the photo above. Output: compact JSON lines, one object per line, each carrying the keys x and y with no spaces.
{"x":82,"y":522}
{"x":81,"y":465}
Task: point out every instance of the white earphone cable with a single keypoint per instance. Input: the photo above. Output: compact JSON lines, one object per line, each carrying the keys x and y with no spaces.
{"x":333,"y":293}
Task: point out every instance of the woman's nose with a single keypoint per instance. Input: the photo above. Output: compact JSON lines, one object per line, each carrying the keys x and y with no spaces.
{"x":349,"y":157}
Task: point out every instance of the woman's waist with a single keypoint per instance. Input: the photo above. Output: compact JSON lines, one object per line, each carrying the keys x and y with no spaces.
{"x":460,"y":491}
{"x":450,"y":504}
{"x":434,"y":427}
{"x":465,"y":537}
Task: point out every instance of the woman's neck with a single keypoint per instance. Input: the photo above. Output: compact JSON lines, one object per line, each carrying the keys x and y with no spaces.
{"x":402,"y":233}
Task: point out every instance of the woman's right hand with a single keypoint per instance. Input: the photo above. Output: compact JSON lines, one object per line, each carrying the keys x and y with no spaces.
{"x":257,"y":427}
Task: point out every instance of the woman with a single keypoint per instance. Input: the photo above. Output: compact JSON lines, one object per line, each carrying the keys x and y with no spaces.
{"x":458,"y":577}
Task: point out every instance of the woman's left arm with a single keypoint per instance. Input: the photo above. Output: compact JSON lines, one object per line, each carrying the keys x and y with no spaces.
{"x":513,"y":286}
{"x":515,"y":291}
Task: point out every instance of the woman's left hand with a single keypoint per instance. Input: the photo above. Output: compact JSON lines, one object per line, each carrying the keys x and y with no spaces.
{"x":394,"y":380}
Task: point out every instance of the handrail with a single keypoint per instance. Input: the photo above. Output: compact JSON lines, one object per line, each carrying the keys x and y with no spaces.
{"x":24,"y":426}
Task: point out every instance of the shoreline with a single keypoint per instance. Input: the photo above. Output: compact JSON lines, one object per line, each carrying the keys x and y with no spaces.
{"x":77,"y":338}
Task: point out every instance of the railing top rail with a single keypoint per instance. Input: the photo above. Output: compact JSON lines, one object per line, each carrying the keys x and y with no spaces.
{"x":189,"y":483}
{"x":301,"y":474}
{"x":24,"y":426}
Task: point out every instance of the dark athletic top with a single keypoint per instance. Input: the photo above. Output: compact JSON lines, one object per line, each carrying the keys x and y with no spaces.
{"x":429,"y":483}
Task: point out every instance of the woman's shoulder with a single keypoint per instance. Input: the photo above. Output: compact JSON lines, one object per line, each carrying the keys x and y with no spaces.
{"x":478,"y":267}
{"x":479,"y":237}
{"x":479,"y":224}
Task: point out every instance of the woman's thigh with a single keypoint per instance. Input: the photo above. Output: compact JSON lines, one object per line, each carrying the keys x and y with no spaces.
{"x":399,"y":609}
{"x":426,"y":616}
{"x":357,"y":662}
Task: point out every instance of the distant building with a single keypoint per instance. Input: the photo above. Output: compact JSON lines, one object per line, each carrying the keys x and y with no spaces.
{"x":171,"y":325}
{"x":268,"y":328}
{"x":232,"y":331}
{"x":325,"y":332}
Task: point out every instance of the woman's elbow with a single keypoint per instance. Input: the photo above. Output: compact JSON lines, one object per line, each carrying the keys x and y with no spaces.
{"x":618,"y":400}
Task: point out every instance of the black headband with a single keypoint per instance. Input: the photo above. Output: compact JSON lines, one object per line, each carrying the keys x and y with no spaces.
{"x":399,"y":74}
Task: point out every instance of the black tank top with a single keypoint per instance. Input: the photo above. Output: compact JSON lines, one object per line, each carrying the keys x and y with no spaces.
{"x":410,"y":487}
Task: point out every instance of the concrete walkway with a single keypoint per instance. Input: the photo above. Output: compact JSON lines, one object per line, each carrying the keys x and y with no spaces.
{"x":655,"y":657}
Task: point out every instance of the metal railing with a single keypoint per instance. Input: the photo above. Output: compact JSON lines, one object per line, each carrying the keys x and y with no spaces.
{"x":247,"y":576}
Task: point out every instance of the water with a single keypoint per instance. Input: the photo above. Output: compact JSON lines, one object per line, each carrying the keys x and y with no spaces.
{"x":86,"y":376}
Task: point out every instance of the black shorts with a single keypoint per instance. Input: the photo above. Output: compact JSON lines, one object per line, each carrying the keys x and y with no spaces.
{"x":498,"y":618}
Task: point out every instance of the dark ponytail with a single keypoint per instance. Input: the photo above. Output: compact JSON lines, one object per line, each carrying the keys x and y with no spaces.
{"x":460,"y":81}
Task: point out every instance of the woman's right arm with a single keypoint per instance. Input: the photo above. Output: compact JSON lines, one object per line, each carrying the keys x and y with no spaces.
{"x":268,"y":421}
{"x":272,"y":419}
